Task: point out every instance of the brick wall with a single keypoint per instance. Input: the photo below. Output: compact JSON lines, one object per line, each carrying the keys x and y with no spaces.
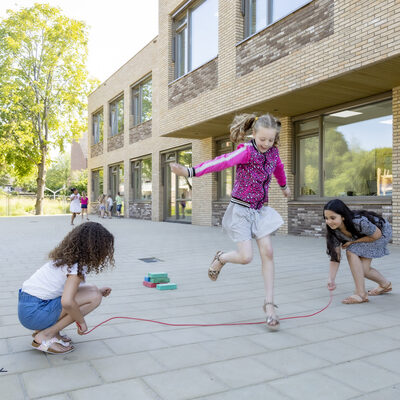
{"x":140,"y":132}
{"x":140,"y":210}
{"x":311,"y":23}
{"x":307,"y":219}
{"x":218,"y":211}
{"x":96,"y":149}
{"x":115,"y":142}
{"x":191,"y":85}
{"x":396,"y":165}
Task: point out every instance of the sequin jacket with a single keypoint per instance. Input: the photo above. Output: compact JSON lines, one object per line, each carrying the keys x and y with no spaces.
{"x":253,"y":172}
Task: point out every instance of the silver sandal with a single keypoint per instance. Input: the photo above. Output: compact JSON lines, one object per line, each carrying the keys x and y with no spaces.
{"x":273,"y":324}
{"x":213,"y":273}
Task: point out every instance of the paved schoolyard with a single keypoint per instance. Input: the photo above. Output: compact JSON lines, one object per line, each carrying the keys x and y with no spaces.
{"x":346,"y":352}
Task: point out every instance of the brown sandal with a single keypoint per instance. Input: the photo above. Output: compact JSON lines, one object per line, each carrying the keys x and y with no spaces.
{"x":213,"y":273}
{"x":273,"y":324}
{"x":355,"y":299}
{"x":380,"y":290}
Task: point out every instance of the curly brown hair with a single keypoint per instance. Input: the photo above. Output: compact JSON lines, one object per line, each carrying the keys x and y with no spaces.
{"x":244,"y":125}
{"x":89,"y":245}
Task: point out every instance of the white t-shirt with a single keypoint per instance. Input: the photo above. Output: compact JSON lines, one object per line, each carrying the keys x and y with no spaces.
{"x":48,"y":282}
{"x":75,"y":203}
{"x":110,"y":202}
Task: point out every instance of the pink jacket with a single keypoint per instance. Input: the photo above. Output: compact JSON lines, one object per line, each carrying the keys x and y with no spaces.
{"x":253,"y":172}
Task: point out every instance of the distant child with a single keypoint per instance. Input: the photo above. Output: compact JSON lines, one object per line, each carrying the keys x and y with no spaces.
{"x":102,"y":205}
{"x":84,"y":205}
{"x":248,"y":215}
{"x":54,"y":297}
{"x":118,"y":202}
{"x":364,"y":235}
{"x":110,"y":204}
{"x":75,"y":206}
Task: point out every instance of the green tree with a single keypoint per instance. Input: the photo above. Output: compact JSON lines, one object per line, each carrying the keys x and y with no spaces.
{"x":43,"y":88}
{"x":59,"y":174}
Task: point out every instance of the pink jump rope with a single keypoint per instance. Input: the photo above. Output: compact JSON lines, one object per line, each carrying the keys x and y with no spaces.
{"x":200,"y":325}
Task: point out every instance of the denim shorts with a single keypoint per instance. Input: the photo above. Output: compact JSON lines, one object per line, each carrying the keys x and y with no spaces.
{"x":38,"y":314}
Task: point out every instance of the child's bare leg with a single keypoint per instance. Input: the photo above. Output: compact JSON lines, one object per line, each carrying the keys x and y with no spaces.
{"x":357,"y":270}
{"x":88,"y":298}
{"x":372,"y":274}
{"x":72,"y":218}
{"x":243,"y":254}
{"x":268,"y":272}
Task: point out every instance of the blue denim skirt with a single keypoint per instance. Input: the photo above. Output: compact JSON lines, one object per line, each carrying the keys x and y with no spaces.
{"x":38,"y":314}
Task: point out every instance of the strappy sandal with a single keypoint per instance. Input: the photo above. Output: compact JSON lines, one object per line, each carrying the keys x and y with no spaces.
{"x":273,"y":324}
{"x":355,"y":299}
{"x":213,"y":273}
{"x":45,"y":346}
{"x":380,"y":290}
{"x":64,"y":338}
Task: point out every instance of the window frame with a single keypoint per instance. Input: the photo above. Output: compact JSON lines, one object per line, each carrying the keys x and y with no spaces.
{"x":111,"y":104}
{"x":95,"y":116}
{"x":246,"y":9}
{"x":136,"y":165}
{"x":137,"y":100}
{"x":219,"y":173}
{"x":321,"y":167}
{"x":93,"y":194}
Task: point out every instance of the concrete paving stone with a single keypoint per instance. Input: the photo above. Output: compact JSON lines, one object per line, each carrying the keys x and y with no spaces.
{"x":24,"y":361}
{"x":362,"y":376}
{"x":129,"y":366}
{"x":135,"y":343}
{"x":261,"y":391}
{"x":13,"y":330}
{"x":389,"y":360}
{"x":242,"y":372}
{"x":184,"y":384}
{"x":3,"y":346}
{"x":10,"y":388}
{"x":374,"y":341}
{"x":315,"y":333}
{"x":56,"y":397}
{"x":313,"y":386}
{"x":391,"y":332}
{"x":183,"y":336}
{"x":277,"y":340}
{"x":60,"y":379}
{"x":291,"y":361}
{"x":348,"y":326}
{"x":390,"y":393}
{"x":384,"y":320}
{"x":130,"y":389}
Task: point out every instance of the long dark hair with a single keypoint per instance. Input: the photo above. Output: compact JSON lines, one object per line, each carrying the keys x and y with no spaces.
{"x":338,"y":207}
{"x":89,"y":245}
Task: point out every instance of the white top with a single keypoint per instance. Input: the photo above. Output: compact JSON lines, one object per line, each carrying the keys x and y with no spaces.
{"x":75,"y":206}
{"x":48,"y":282}
{"x":110,"y":201}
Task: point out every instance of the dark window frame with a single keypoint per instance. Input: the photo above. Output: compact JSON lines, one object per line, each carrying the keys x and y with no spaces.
{"x":137,"y":101}
{"x":136,"y":179}
{"x":115,"y":103}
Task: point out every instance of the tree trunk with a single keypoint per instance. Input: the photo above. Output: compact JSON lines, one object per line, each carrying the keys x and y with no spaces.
{"x":41,"y":181}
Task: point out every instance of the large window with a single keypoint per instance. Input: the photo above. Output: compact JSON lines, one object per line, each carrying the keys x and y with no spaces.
{"x":141,"y":179}
{"x":97,"y":184}
{"x":195,"y":36}
{"x":225,"y":177}
{"x":346,"y":153}
{"x":117,"y":116}
{"x":98,"y":127}
{"x":142,"y":102}
{"x":259,"y":14}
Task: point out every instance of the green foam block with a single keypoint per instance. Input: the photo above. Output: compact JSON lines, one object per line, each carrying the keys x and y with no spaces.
{"x":166,"y":286}
{"x":157,"y":275}
{"x":159,"y":280}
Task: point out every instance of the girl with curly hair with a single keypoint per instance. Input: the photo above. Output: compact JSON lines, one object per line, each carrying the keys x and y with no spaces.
{"x":55,"y":296}
{"x":364,"y":235}
{"x":248,"y":215}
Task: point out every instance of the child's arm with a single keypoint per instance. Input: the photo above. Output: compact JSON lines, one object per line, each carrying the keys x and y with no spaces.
{"x":239,"y":156}
{"x":280,"y":176}
{"x":333,"y":269}
{"x":366,"y":239}
{"x":68,"y":300}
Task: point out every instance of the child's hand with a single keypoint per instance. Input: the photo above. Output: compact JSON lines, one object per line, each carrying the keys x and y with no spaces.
{"x":105,"y":291}
{"x":331,"y":285}
{"x":179,"y":169}
{"x":346,"y":245}
{"x":286,"y":192}
{"x":82,"y":328}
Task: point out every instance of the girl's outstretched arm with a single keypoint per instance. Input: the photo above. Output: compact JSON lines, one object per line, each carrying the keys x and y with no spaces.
{"x":68,"y":300}
{"x":333,"y":269}
{"x":240,"y":156}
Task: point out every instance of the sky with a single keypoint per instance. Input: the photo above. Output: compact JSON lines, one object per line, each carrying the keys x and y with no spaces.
{"x":118,"y":29}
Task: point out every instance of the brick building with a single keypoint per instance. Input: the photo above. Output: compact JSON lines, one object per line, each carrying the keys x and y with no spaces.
{"x":330,"y":69}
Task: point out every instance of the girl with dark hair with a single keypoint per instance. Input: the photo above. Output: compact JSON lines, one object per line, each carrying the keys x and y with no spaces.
{"x":364,"y":235}
{"x":248,"y":215}
{"x":54,"y":297}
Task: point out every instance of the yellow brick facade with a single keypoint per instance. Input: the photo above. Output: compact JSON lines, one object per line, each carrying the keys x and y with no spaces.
{"x":353,"y":58}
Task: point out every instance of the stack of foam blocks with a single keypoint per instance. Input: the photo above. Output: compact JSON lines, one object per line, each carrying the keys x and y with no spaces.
{"x":158,"y":280}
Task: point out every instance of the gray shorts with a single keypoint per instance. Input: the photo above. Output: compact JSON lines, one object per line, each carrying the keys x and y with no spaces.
{"x":243,"y":223}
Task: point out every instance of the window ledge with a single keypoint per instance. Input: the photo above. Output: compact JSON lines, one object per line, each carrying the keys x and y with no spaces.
{"x":142,"y":123}
{"x":188,"y":73}
{"x":347,"y":200}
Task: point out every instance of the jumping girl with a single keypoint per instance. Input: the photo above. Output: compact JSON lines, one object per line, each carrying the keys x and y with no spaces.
{"x":75,"y":206}
{"x":84,"y":205}
{"x":364,"y":235}
{"x":248,"y":215}
{"x":55,"y":296}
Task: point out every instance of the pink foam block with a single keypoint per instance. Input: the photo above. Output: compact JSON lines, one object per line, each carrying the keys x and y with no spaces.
{"x":149,"y":284}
